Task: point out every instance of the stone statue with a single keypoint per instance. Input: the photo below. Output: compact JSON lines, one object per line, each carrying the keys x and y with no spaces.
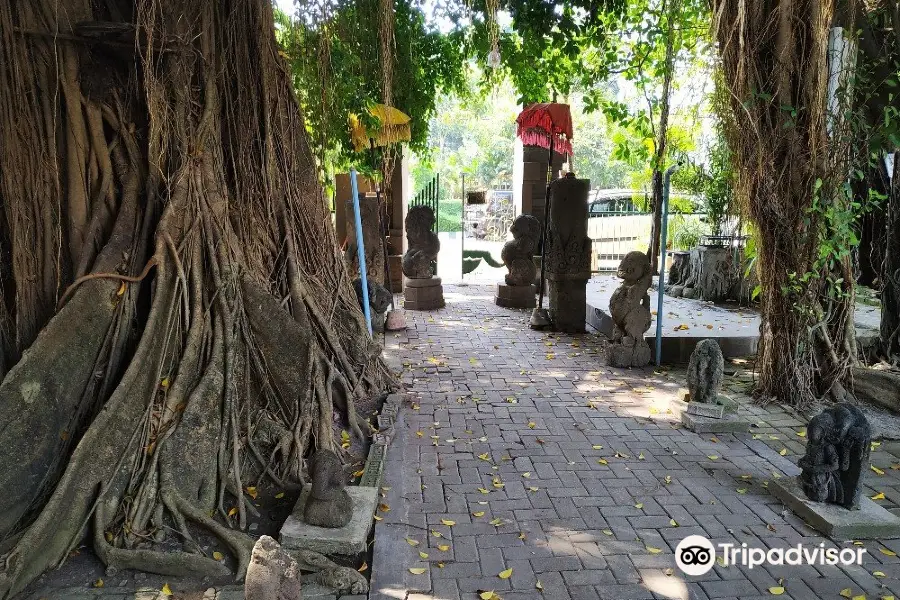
{"x":424,"y":244}
{"x":705,"y":371}
{"x":379,"y":296}
{"x":568,"y":254}
{"x":328,"y":504}
{"x":272,"y":573}
{"x":629,"y":308}
{"x":518,"y":254}
{"x":837,"y":453}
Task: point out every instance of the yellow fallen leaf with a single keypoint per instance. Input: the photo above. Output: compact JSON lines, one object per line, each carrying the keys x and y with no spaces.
{"x":480,"y":513}
{"x":448,"y":522}
{"x":641,"y":456}
{"x":359,"y":473}
{"x":486,"y":595}
{"x":532,"y":488}
{"x":122,"y":289}
{"x":218,"y":555}
{"x":878,"y":496}
{"x":712,"y":457}
{"x":377,"y":518}
{"x":876,"y":469}
{"x":443,"y":547}
{"x":497,"y":522}
{"x":886,"y":598}
{"x":420,"y":434}
{"x":412,"y":542}
{"x":526,"y":474}
{"x":879,"y":574}
{"x":538,"y":585}
{"x":602,"y":461}
{"x":363,"y":567}
{"x":859,"y":597}
{"x":505,"y":574}
{"x":416,"y":570}
{"x":639,"y":505}
{"x":607,"y":532}
{"x":384,"y":507}
{"x":437,"y":534}
{"x":233,"y":511}
{"x":776,"y":591}
{"x":423,"y":555}
{"x":652,"y":550}
{"x":668,"y":479}
{"x":742,"y":490}
{"x":484,"y":456}
{"x":98,"y":583}
{"x":166,"y":590}
{"x":251,"y":491}
{"x":498,"y":483}
{"x":846,"y":593}
{"x":279,"y":495}
{"x":783,"y":452}
{"x":484,"y":491}
{"x":521,"y":535}
{"x":673,"y":523}
{"x":164,"y":383}
{"x":887,"y":552}
{"x":597,"y":447}
{"x":802,"y":433}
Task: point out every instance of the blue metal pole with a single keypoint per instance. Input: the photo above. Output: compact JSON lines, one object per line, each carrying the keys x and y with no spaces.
{"x":664,"y":228}
{"x":360,"y":250}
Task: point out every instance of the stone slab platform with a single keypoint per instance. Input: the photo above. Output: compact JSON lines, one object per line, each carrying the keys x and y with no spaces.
{"x":729,"y":423}
{"x":871,"y":521}
{"x":349,"y":540}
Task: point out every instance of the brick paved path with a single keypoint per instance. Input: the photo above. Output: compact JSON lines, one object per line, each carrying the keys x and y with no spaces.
{"x":575,"y":475}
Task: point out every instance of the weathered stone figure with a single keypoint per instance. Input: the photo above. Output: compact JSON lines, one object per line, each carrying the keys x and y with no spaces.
{"x":379,"y":296}
{"x":421,"y":291}
{"x":424,"y":244}
{"x":272,"y":574}
{"x":629,"y":308}
{"x":518,"y":254}
{"x":328,"y":504}
{"x":705,"y":372}
{"x":836,"y":456}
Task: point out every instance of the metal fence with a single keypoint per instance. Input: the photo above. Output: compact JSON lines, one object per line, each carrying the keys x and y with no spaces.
{"x":430,"y":196}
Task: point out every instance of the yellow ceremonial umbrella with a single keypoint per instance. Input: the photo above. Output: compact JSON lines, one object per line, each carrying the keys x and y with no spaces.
{"x":394,"y":128}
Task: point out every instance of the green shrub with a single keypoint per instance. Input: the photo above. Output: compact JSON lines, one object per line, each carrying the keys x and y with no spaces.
{"x":450,"y":215}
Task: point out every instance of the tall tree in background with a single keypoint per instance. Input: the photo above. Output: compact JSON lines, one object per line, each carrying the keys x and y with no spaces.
{"x":176,"y":322}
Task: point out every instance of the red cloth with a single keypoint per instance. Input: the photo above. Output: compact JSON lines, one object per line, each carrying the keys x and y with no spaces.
{"x":539,"y":123}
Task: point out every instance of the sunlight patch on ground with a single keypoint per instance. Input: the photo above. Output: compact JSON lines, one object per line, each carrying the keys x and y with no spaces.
{"x":669,"y":586}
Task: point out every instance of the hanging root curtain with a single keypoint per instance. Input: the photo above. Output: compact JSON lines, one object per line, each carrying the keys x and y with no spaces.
{"x":790,"y":181}
{"x":175,"y":318}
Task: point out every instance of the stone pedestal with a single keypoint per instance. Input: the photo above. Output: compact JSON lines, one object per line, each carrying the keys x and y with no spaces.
{"x":870,"y":521}
{"x":630,"y":353}
{"x":515,"y":296}
{"x":568,"y":254}
{"x":350,"y":540}
{"x":423,"y":294}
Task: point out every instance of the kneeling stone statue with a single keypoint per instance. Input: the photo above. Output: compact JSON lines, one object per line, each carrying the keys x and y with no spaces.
{"x":329,"y":504}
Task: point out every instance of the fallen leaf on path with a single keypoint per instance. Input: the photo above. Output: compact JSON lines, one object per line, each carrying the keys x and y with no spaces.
{"x":876,"y":470}
{"x":218,"y":555}
{"x":887,"y":552}
{"x":448,"y":522}
{"x":639,"y":505}
{"x":878,"y":496}
{"x":505,"y":574}
{"x":776,"y":591}
{"x":652,"y":550}
{"x":98,"y":583}
{"x":538,"y":585}
{"x":166,"y":590}
{"x":412,"y":542}
{"x":423,"y":555}
{"x":416,"y":570}
{"x":480,"y":513}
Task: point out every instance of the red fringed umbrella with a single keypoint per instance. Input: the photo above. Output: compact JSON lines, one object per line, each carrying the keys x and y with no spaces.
{"x":547,"y":125}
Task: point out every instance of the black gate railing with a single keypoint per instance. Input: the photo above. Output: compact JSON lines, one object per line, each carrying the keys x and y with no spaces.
{"x":430,"y":196}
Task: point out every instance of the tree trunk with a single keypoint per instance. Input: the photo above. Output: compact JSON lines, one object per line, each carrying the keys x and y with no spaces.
{"x":789,"y":173}
{"x":176,"y":314}
{"x":662,"y":135}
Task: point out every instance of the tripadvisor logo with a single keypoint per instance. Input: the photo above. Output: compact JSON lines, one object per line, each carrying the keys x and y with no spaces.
{"x":696,"y":555}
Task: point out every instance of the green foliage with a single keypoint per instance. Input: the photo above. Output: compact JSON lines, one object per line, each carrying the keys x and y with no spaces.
{"x":685,"y":231}
{"x":335,"y":63}
{"x":449,"y":215}
{"x":712,"y":182}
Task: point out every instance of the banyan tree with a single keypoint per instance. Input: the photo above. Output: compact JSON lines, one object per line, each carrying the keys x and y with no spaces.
{"x":176,"y":323}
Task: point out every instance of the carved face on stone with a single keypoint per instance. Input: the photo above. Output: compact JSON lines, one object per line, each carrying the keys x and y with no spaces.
{"x":526,"y":229}
{"x":633,"y":267}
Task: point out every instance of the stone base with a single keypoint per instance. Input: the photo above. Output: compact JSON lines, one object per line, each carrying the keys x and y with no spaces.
{"x":348,"y":540}
{"x":729,"y":423}
{"x":625,"y":355}
{"x":723,"y":405}
{"x":515,"y":296}
{"x":423,"y":294}
{"x":870,"y":522}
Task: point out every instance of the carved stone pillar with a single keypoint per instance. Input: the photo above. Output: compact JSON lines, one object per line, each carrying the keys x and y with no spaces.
{"x":568,"y":253}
